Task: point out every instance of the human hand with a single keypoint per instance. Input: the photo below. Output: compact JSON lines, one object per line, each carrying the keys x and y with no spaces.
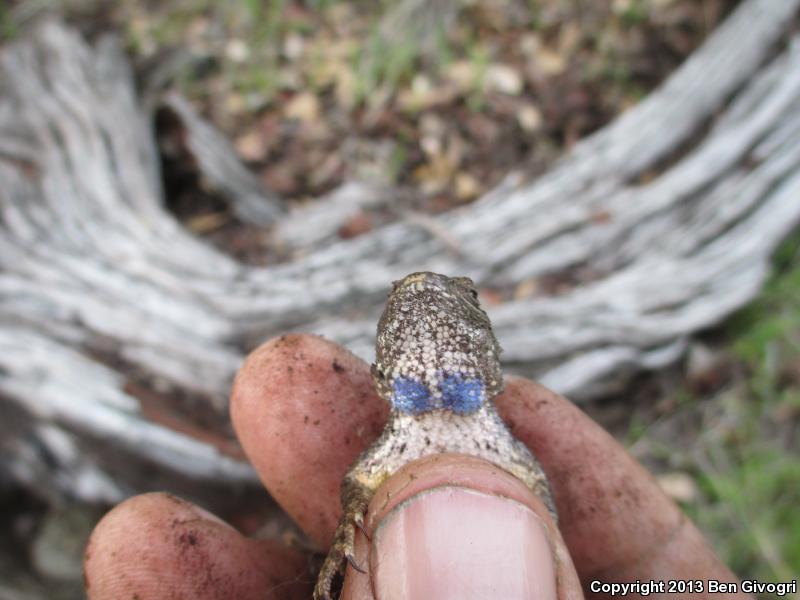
{"x":304,"y":408}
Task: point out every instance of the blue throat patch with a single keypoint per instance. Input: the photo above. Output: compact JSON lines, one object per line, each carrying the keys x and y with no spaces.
{"x":460,"y":394}
{"x":411,"y":396}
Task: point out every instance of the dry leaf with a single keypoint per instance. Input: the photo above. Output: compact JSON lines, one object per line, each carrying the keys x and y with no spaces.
{"x":235,"y":104}
{"x":466,"y":187}
{"x":424,"y":94}
{"x":293,"y":46}
{"x":529,"y":117}
{"x":435,"y":175}
{"x":346,"y":86}
{"x":502,"y":78}
{"x":678,"y":486}
{"x":237,"y":51}
{"x":550,"y":62}
{"x":303,"y":107}
{"x":251,"y":146}
{"x":529,"y":44}
{"x":569,"y":38}
{"x":431,"y":145}
{"x":463,"y":74}
{"x":206,"y":223}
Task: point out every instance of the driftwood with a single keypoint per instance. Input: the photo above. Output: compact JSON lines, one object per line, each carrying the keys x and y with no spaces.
{"x":120,"y":331}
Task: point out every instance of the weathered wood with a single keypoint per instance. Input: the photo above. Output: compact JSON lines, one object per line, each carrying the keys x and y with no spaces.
{"x":218,"y":162}
{"x":108,"y":307}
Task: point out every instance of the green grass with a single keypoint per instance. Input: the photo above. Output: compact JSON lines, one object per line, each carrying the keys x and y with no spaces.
{"x":754,"y":493}
{"x":750,"y":452}
{"x":634,"y":14}
{"x":263,"y":25}
{"x":381,"y":63}
{"x":772,"y":323}
{"x":8,"y":26}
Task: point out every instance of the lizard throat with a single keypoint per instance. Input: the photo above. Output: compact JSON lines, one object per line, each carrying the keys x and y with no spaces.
{"x":454,"y":392}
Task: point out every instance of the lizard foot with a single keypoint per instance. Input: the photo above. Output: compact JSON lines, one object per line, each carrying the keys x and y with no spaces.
{"x":342,"y":550}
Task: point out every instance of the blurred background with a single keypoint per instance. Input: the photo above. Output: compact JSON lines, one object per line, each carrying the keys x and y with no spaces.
{"x":432,"y":105}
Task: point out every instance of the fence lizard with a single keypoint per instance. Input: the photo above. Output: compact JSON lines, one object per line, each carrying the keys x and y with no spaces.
{"x":437,"y":365}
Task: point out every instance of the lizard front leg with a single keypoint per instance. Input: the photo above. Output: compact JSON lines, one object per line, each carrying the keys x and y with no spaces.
{"x":355,"y":500}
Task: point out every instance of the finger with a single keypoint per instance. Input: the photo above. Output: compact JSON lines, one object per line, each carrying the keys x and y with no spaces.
{"x":304,"y":408}
{"x":157,"y":546}
{"x":617,"y":522}
{"x":613,"y":514}
{"x":450,"y":524}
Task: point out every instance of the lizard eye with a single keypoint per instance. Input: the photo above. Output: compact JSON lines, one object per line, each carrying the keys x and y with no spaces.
{"x":468,"y":286}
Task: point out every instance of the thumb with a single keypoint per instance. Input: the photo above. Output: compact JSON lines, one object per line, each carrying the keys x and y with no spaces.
{"x":454,"y":526}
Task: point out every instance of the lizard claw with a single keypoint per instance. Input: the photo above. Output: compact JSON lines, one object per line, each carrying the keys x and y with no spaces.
{"x":355,"y":501}
{"x":358,"y":519}
{"x":352,"y":560}
{"x":342,"y":552}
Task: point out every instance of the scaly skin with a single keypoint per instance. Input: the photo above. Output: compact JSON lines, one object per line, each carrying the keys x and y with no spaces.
{"x":437,"y":365}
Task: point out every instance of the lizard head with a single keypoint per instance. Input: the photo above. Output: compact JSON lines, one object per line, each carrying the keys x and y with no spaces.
{"x":435,"y":348}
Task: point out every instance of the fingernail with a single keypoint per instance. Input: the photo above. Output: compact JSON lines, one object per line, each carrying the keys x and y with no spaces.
{"x":454,"y":542}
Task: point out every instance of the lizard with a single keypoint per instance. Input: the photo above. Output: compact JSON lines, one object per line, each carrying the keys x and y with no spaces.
{"x":437,"y":364}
